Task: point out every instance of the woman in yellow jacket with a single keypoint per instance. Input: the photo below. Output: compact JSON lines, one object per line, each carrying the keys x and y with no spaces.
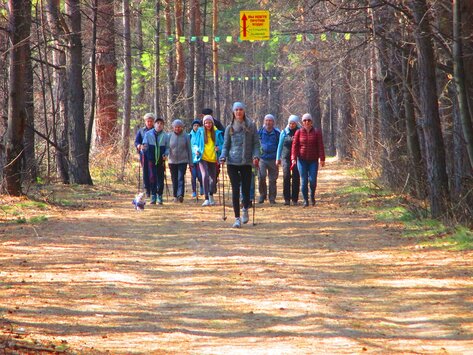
{"x":207,"y":148}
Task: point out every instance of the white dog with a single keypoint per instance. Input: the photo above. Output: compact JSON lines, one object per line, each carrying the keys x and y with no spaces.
{"x":139,"y":201}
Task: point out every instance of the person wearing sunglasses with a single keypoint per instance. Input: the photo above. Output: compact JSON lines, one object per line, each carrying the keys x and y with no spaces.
{"x":307,"y":151}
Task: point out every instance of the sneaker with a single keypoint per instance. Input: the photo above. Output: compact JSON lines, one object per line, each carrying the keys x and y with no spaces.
{"x":287,"y":203}
{"x":206,"y":203}
{"x":194,"y":195}
{"x":305,"y":204}
{"x":211,"y":200}
{"x":245,"y":218}
{"x":160,"y":199}
{"x":237,"y":223}
{"x":180,"y":199}
{"x":153,"y":200}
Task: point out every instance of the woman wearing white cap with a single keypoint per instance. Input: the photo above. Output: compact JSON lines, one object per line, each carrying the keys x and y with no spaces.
{"x":207,"y":148}
{"x":307,"y":151}
{"x":241,"y":150}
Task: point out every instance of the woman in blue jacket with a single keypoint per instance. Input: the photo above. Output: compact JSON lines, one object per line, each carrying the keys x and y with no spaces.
{"x":207,"y":149}
{"x":283,"y":157}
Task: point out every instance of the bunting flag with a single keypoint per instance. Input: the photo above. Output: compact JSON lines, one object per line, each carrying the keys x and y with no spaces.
{"x":275,"y":38}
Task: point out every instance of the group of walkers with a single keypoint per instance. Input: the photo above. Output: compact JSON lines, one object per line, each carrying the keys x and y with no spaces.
{"x":243,"y":148}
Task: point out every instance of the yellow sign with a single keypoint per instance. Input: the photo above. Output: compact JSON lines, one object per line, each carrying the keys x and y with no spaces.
{"x":254,"y":25}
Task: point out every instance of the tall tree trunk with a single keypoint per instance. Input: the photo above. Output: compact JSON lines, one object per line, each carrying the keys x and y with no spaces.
{"x":141,"y":93}
{"x":312,"y":73}
{"x":191,"y":63}
{"x":384,"y":81}
{"x":126,"y":84}
{"x":459,"y":75}
{"x":31,"y":171}
{"x":435,"y":150}
{"x":78,"y":160}
{"x":416,"y":164}
{"x":171,"y":97}
{"x":93,"y":77}
{"x":107,"y":103}
{"x":345,"y":134}
{"x":199,"y":79}
{"x":157,"y":55}
{"x":19,"y":27}
{"x":215,"y":57}
{"x":180,"y":59}
{"x":56,"y":24}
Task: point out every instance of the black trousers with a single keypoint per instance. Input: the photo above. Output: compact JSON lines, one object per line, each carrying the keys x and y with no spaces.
{"x":291,"y":181}
{"x":240,"y":174}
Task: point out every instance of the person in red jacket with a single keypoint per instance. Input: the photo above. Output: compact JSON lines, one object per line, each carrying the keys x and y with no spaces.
{"x":307,"y":150}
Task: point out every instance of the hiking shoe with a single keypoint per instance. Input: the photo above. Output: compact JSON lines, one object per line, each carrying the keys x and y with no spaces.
{"x":160,"y":199}
{"x":287,"y":203}
{"x":305,"y":204}
{"x":153,"y":200}
{"x":206,"y":203}
{"x":237,"y":223}
{"x":245,"y":218}
{"x":211,"y":200}
{"x":194,"y":194}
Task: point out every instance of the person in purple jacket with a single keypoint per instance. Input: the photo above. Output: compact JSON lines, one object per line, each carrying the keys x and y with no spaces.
{"x":149,"y":122}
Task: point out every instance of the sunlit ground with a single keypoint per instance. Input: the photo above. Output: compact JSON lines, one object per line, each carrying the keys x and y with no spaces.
{"x":177,"y":278}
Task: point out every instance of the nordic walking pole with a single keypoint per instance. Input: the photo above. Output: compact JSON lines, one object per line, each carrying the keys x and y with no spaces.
{"x":139,"y":174}
{"x":166,"y":182}
{"x":254,"y":194}
{"x":224,"y":217}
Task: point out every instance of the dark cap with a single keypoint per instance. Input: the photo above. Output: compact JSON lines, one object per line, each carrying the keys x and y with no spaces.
{"x":207,"y":111}
{"x":197,"y":121}
{"x":158,"y":119}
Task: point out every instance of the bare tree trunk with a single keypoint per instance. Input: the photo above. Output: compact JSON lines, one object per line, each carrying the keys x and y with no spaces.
{"x":180,"y":59}
{"x":170,"y":63}
{"x":199,"y":62}
{"x":78,"y":157}
{"x":31,"y":171}
{"x":141,"y":94}
{"x":56,"y":24}
{"x":312,"y":73}
{"x":157,"y":54}
{"x":107,"y":103}
{"x":20,"y":27}
{"x":191,"y":63}
{"x":459,"y":75}
{"x":416,"y":164}
{"x":93,"y":87}
{"x":435,"y":151}
{"x":126,"y":84}
{"x":345,"y":134}
{"x":215,"y":57}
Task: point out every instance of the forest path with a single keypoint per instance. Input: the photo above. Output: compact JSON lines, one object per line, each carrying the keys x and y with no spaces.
{"x":178,"y":279}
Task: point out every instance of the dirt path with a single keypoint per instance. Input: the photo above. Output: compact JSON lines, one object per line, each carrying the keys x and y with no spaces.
{"x":177,"y":279}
